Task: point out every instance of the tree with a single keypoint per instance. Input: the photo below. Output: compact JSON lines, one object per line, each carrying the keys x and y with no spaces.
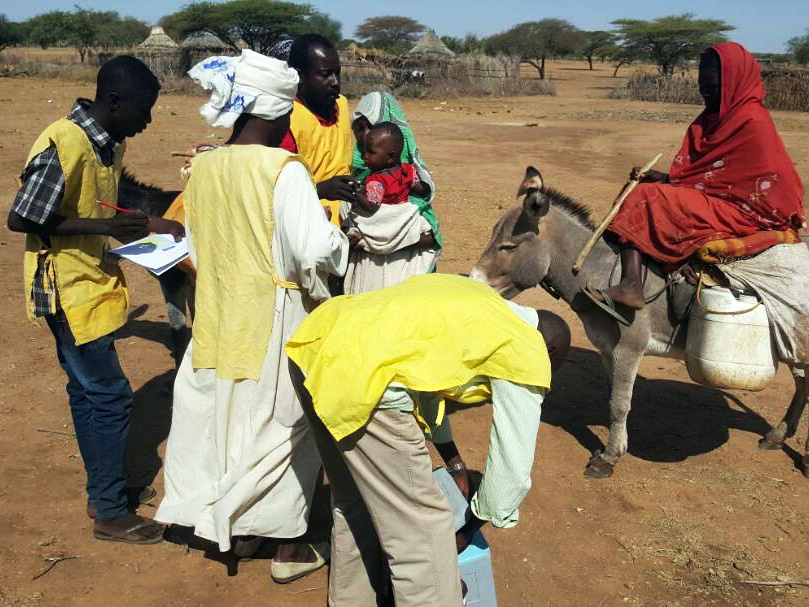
{"x":260,"y":24}
{"x":390,"y":33}
{"x":452,"y":43}
{"x":535,"y":41}
{"x":621,"y":56}
{"x":469,"y":44}
{"x":669,"y":41}
{"x":594,"y":43}
{"x":799,"y":48}
{"x":327,"y":27}
{"x":49,"y":29}
{"x":85,"y":30}
{"x":10,"y":33}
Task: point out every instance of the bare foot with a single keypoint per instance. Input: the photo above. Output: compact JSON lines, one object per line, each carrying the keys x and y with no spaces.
{"x":295,"y":553}
{"x":629,"y":294}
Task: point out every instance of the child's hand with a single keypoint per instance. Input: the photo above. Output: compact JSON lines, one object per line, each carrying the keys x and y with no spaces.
{"x":427,"y":239}
{"x":354,"y":238}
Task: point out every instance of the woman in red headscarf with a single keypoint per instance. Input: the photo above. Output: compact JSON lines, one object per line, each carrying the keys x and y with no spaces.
{"x":731,"y":178}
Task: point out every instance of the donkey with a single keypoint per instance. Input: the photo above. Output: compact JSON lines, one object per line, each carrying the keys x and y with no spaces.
{"x":175,"y":284}
{"x":536,"y":243}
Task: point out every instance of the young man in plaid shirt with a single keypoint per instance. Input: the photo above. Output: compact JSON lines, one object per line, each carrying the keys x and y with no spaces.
{"x":73,"y":167}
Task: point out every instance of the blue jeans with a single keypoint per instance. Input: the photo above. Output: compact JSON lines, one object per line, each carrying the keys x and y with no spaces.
{"x":101,"y":404}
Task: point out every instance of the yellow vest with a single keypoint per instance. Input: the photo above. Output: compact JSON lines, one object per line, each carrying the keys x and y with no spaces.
{"x":431,"y":333}
{"x":92,"y":292}
{"x":326,"y":150}
{"x":229,"y":211}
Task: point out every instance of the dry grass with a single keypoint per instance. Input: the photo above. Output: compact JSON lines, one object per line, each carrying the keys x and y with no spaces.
{"x":787,"y":89}
{"x":468,"y":76}
{"x":654,"y":87}
{"x":359,"y":78}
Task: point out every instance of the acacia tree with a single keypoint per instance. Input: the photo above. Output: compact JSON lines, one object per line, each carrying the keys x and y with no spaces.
{"x":669,"y":41}
{"x":595,"y":43}
{"x":799,"y":48}
{"x":260,"y":24}
{"x":390,"y":33}
{"x":85,"y":30}
{"x":535,"y":41}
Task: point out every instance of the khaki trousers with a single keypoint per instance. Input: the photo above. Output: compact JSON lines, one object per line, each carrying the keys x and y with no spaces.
{"x":385,"y":501}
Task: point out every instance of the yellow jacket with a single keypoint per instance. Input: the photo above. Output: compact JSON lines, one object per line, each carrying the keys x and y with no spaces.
{"x":229,"y":213}
{"x":91,"y":290}
{"x":432,"y":333}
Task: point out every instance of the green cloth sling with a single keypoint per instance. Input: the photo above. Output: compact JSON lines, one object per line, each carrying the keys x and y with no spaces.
{"x":391,"y":111}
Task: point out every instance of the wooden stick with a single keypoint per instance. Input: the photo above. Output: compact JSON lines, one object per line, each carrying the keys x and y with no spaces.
{"x":70,"y":434}
{"x":785,"y":583}
{"x":55,"y":560}
{"x":628,"y":187}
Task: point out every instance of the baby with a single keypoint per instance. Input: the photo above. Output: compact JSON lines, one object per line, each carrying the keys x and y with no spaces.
{"x":390,"y":181}
{"x":391,"y":239}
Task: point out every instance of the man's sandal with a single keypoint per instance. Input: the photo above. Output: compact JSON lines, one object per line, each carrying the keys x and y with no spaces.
{"x":146,"y":495}
{"x":607,"y":304}
{"x":135,"y":533}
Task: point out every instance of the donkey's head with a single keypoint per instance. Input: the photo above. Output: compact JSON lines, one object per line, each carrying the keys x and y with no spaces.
{"x":516,"y":257}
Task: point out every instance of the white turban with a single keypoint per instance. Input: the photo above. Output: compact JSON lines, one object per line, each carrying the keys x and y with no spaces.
{"x":248,"y":84}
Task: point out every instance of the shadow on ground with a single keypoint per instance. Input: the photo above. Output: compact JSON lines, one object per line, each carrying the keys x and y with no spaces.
{"x":151,"y":420}
{"x":320,"y":523}
{"x":669,"y":421}
{"x":157,"y":331}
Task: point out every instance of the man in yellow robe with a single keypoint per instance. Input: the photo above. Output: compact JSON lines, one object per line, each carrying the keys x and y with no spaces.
{"x":367,"y":368}
{"x":240,"y":459}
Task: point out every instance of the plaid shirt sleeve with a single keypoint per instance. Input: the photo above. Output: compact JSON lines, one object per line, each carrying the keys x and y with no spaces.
{"x":43,"y":185}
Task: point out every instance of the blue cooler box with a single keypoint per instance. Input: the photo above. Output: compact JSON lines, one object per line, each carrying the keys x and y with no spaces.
{"x":475,"y":564}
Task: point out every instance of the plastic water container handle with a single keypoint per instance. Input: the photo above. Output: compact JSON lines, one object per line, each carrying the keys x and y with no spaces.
{"x":723,"y":312}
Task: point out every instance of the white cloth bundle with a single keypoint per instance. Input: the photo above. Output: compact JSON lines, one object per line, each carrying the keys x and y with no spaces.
{"x":248,"y":84}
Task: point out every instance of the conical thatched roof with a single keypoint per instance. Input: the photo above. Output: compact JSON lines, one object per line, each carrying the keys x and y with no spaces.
{"x":204,"y":41}
{"x":158,"y":39}
{"x":430,"y":46}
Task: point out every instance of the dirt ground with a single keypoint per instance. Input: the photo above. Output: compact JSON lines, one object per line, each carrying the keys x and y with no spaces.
{"x":693,"y":511}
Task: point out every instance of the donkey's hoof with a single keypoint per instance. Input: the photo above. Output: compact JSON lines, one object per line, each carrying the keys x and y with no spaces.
{"x":805,"y":465}
{"x":598,"y":467}
{"x":770,"y":444}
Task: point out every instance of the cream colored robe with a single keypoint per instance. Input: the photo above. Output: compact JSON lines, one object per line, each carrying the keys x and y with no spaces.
{"x":240,"y":459}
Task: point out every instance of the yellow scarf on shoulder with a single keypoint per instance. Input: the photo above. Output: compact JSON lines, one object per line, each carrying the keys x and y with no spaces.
{"x":229,"y":211}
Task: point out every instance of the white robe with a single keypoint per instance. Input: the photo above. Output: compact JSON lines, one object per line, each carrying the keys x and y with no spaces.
{"x":388,"y":252}
{"x":240,"y":458}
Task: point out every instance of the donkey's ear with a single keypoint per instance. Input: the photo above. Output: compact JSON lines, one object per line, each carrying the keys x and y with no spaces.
{"x":536,"y":204}
{"x":532,"y":179}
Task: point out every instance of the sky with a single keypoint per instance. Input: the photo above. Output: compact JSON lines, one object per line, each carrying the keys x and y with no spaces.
{"x":762,"y":27}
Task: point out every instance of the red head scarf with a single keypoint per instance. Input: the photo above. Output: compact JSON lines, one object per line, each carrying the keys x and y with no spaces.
{"x":737,"y":154}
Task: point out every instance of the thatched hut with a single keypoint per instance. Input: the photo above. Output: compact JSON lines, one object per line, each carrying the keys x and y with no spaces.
{"x":430,"y":48}
{"x":200,"y":45}
{"x":158,"y":40}
{"x":160,"y":53}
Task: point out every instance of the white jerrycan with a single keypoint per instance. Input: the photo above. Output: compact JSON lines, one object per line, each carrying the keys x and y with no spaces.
{"x":728,"y":342}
